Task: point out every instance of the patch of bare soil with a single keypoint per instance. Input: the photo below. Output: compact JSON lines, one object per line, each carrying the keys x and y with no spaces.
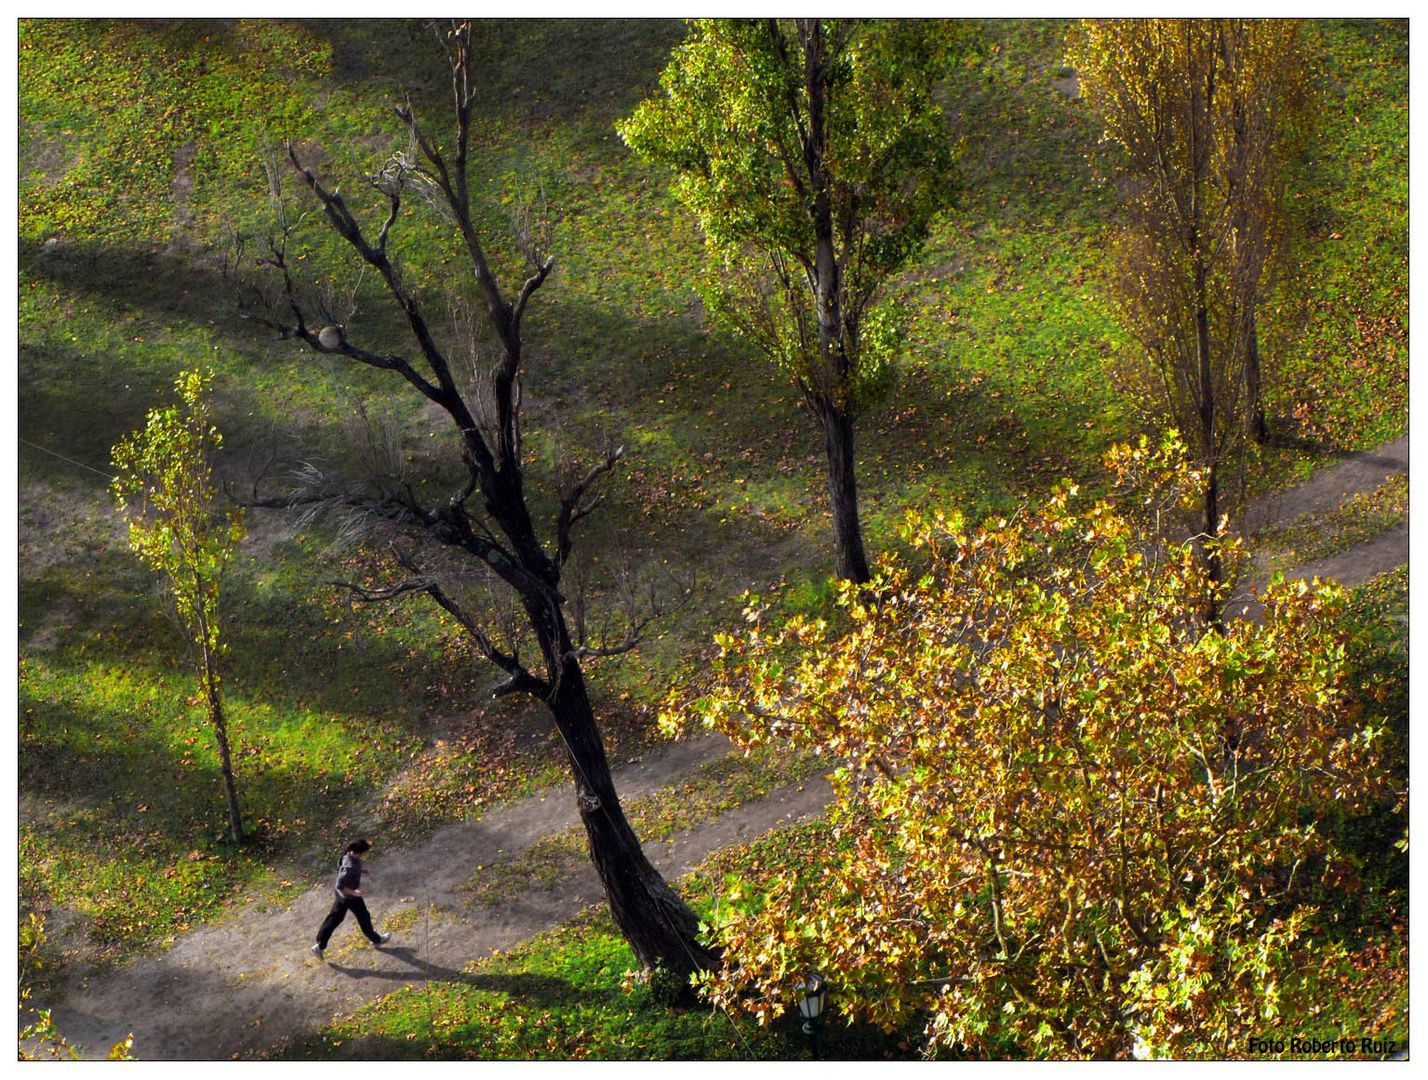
{"x":182,"y":187}
{"x":57,"y":525}
{"x":1067,"y":84}
{"x":44,"y":158}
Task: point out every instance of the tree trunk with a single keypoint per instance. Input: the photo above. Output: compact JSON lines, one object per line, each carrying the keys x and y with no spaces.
{"x":220,"y":733}
{"x":1259,"y":426}
{"x":833,"y":385}
{"x":650,"y":916}
{"x":843,"y":494}
{"x":1201,"y":141}
{"x":1214,"y":564}
{"x":1249,"y":251}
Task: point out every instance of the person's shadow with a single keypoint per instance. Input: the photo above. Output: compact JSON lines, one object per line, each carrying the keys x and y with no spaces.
{"x":544,"y":988}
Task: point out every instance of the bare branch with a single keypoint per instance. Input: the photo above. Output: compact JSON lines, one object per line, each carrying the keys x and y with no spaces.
{"x":652,"y":607}
{"x":631,"y":642}
{"x":571,"y":507}
{"x":520,"y":679}
{"x":521,"y":682}
{"x":394,"y":203}
{"x":330,"y":338}
{"x":346,"y":226}
{"x":442,"y":178}
{"x":452,"y":179}
{"x":531,"y":285}
{"x":372,"y":596}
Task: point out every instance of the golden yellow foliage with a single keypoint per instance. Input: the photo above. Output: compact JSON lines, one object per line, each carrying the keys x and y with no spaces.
{"x":1068,"y":818}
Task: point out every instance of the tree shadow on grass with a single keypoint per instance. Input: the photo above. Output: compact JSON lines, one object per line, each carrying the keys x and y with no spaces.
{"x":706,"y":422}
{"x":545,"y":990}
{"x":285,"y":650}
{"x":588,"y":72}
{"x":78,"y":397}
{"x":1030,"y":156}
{"x":126,"y":774}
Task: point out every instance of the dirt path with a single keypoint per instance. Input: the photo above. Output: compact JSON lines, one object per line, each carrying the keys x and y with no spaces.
{"x":239,"y":987}
{"x":1325,"y":491}
{"x":1328,"y":488}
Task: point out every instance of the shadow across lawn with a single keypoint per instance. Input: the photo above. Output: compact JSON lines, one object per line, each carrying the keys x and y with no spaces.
{"x":284,"y":649}
{"x":587,"y":72}
{"x":545,"y":990}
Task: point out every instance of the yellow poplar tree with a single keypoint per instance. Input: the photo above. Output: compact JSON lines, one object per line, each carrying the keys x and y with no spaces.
{"x":1207,"y":112}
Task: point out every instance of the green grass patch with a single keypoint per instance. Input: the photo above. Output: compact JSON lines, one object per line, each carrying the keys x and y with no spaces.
{"x":1338,"y":338}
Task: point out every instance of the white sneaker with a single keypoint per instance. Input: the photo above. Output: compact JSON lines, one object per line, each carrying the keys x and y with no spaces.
{"x":317,"y":950}
{"x":382,"y":939}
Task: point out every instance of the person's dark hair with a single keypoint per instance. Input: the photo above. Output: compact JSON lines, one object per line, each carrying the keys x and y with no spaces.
{"x":357,"y":847}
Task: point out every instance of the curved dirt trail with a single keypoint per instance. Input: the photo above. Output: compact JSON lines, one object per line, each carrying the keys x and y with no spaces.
{"x":238,"y":987}
{"x":1329,"y":487}
{"x":1326,"y":491}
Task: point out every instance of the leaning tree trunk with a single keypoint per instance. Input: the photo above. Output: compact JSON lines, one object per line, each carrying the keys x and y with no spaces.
{"x":658,"y":925}
{"x":843,"y":494}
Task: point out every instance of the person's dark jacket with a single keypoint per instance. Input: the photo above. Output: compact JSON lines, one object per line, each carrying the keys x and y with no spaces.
{"x":349,"y":873}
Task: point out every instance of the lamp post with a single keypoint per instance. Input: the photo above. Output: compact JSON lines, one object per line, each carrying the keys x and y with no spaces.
{"x":815,"y":989}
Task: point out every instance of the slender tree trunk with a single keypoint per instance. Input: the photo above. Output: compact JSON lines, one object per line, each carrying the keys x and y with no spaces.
{"x":1207,"y":416}
{"x":651,"y":917}
{"x":1259,"y":425}
{"x":1249,"y":254}
{"x":220,"y":734}
{"x":1201,"y":141}
{"x":1214,"y":564}
{"x":843,"y":494}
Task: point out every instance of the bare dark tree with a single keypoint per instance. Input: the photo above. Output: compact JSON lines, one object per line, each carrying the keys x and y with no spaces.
{"x":486,"y":523}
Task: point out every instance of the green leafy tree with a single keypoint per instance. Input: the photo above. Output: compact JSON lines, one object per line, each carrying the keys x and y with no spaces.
{"x":1207,"y":112}
{"x":1068,"y":822}
{"x":814,"y":155}
{"x":179,"y":527}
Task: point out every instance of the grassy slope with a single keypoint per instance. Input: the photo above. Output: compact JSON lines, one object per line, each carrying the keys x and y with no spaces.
{"x":131,"y":170}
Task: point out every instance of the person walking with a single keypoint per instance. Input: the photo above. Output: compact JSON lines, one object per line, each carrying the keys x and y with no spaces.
{"x":349,"y":898}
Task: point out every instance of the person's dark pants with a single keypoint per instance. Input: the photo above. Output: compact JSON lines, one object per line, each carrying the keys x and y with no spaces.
{"x":340,"y":907}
